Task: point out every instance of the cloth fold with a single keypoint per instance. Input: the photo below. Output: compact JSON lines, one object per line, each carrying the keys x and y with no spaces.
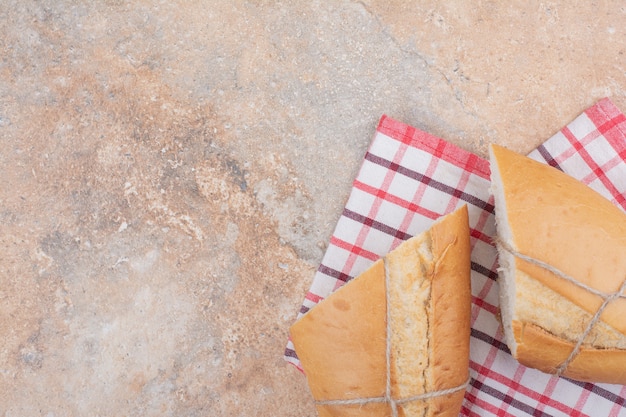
{"x":408,"y":179}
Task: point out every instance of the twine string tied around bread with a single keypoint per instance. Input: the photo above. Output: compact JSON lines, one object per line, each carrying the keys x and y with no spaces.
{"x":607,"y":298}
{"x":385,"y":399}
{"x":388,"y":398}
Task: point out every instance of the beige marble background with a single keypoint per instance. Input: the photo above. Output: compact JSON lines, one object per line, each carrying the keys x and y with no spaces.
{"x":171,"y":172}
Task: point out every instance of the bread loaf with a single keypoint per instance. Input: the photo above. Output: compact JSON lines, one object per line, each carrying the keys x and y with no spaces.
{"x":562,"y":255}
{"x":394,"y":341}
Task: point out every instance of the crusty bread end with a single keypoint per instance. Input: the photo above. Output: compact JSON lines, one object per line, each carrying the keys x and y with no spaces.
{"x":556,"y":240}
{"x":342,"y":342}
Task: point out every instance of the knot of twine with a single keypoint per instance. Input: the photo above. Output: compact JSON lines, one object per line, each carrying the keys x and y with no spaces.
{"x":387,"y":398}
{"x":607,"y":298}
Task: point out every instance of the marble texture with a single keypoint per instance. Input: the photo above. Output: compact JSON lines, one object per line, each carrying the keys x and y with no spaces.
{"x":171,"y":172}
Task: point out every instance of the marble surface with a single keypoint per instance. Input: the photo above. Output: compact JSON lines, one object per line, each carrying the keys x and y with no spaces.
{"x":171,"y":172}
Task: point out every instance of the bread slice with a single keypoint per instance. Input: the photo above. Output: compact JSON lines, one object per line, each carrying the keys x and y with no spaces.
{"x":416,"y":302}
{"x":562,"y":252}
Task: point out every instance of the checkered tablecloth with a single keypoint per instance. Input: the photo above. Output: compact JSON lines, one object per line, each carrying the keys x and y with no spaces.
{"x":408,"y":179}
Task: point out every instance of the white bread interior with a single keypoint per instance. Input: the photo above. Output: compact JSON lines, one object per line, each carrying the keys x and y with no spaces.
{"x":543,"y":315}
{"x":507,"y":268}
{"x":342,"y":341}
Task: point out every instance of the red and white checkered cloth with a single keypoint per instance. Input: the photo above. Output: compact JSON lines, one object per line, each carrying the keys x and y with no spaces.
{"x":408,"y":179}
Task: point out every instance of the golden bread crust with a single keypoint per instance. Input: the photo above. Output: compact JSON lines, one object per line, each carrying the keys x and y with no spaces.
{"x":342,"y":341}
{"x":561,"y":221}
{"x":540,"y":349}
{"x":558,"y":222}
{"x":451,"y":325}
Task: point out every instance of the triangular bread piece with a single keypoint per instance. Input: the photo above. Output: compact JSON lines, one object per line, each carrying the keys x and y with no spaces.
{"x":416,"y":302}
{"x":562,"y":253}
